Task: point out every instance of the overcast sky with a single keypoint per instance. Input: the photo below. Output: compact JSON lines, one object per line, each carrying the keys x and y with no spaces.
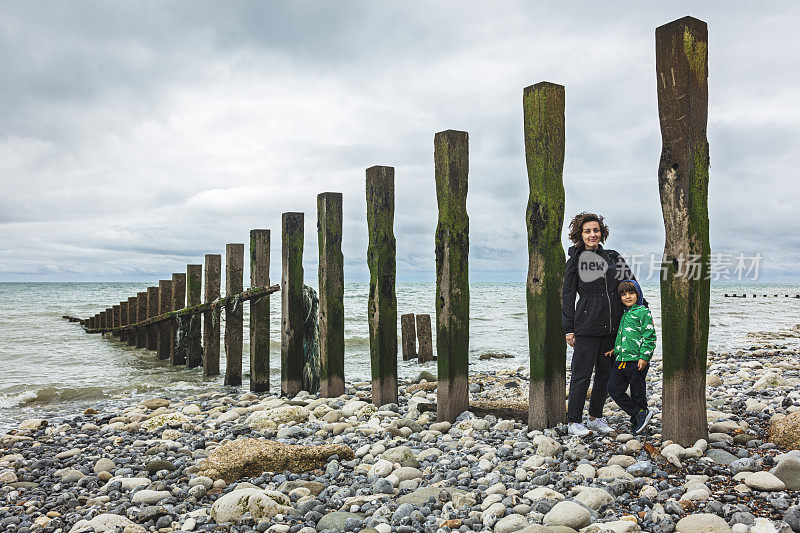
{"x":137,"y":136}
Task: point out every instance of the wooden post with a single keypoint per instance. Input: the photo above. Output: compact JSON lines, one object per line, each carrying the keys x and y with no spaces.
{"x":164,"y":305}
{"x":451,"y":156}
{"x":682,"y":80}
{"x":292,"y":225}
{"x":117,"y":318}
{"x":331,"y":294}
{"x":543,"y":117}
{"x":234,"y":332}
{"x":177,"y":352}
{"x":152,"y":310}
{"x":408,"y":335}
{"x":141,"y":314}
{"x":424,"y":338}
{"x":382,"y":304}
{"x":259,"y":311}
{"x":133,"y":317}
{"x":110,"y":317}
{"x":123,"y":320}
{"x":194,"y":296}
{"x":102,"y":319}
{"x":213,"y":266}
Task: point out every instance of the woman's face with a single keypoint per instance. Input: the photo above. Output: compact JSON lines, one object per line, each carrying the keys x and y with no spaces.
{"x":591,"y":234}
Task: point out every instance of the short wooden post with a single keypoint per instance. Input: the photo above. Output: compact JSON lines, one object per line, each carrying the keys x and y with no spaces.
{"x":133,"y":317}
{"x":102,"y":319}
{"x":177,"y":349}
{"x":451,"y":157}
{"x":110,"y":317}
{"x":682,"y":87}
{"x":141,"y":314}
{"x":382,"y":303}
{"x":292,"y":227}
{"x":194,"y":296}
{"x":424,"y":338}
{"x":211,"y":284}
{"x":331,"y":294}
{"x":543,"y":117}
{"x":259,"y":311}
{"x":123,"y":320}
{"x":164,"y":306}
{"x":117,"y":319}
{"x":234,"y":332}
{"x":152,"y":310}
{"x":408,"y":335}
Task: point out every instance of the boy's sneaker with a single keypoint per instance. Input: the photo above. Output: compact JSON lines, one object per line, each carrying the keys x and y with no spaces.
{"x":642,"y":419}
{"x":578,"y":429}
{"x":600,"y":425}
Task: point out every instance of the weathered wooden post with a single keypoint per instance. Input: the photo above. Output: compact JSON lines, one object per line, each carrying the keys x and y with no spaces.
{"x":133,"y":317}
{"x":141,"y":314}
{"x":451,"y":156}
{"x":543,"y":117}
{"x":408,"y":336}
{"x":164,"y":305}
{"x":194,"y":296}
{"x":117,"y":319}
{"x":331,"y":294}
{"x":259,"y":311}
{"x":424,"y":338}
{"x":177,"y":353}
{"x":292,"y":226}
{"x":102,"y":322}
{"x":152,"y":310}
{"x":123,"y":319}
{"x":212,"y":268}
{"x":110,"y":317}
{"x":234,"y":310}
{"x":682,"y":80}
{"x":382,"y":304}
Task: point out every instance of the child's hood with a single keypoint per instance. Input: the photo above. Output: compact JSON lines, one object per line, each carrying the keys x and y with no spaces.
{"x":639,"y":295}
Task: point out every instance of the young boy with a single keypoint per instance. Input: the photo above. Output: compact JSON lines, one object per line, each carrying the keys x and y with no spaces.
{"x":636,"y":340}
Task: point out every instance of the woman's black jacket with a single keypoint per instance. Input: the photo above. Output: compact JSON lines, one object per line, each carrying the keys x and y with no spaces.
{"x":599,"y":307}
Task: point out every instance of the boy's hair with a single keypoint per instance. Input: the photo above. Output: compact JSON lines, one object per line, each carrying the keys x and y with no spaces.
{"x":626,"y":286}
{"x":576,"y":227}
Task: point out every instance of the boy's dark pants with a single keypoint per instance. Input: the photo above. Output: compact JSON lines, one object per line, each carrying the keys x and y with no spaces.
{"x":618,"y":385}
{"x":587,"y":357}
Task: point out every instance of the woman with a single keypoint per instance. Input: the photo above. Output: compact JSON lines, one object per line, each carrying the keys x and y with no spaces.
{"x":592,"y":274}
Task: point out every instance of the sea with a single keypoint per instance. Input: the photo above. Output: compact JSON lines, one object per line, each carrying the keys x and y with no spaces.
{"x":51,"y":367}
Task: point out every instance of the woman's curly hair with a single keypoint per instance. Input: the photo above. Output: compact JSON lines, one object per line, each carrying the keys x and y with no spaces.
{"x":576,"y":227}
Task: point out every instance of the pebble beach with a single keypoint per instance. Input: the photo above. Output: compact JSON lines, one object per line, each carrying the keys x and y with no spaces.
{"x":258,"y":462}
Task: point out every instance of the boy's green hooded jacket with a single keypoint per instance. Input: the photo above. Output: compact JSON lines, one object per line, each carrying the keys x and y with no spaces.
{"x":636,"y":336}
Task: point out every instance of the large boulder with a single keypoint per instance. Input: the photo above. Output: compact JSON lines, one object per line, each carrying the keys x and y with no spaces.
{"x":268,"y":419}
{"x":251,"y":457}
{"x":568,"y":514}
{"x":107,"y":522}
{"x":788,"y":471}
{"x":786,"y":431}
{"x":259,"y":503}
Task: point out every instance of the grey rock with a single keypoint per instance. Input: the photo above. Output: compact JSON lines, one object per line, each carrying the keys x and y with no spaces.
{"x":788,"y":471}
{"x":720,"y":457}
{"x":336,"y":520}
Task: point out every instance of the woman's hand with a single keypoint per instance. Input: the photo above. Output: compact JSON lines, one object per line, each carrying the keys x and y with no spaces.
{"x":641,"y":364}
{"x":571,"y":339}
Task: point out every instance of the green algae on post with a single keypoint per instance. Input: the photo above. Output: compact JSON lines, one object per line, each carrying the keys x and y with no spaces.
{"x":292,"y":227}
{"x":212,"y":270}
{"x":331,"y":294}
{"x":177,"y":353}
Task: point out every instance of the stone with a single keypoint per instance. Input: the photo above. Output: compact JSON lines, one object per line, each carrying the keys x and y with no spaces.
{"x":104,"y":465}
{"x":381,"y":468}
{"x":405,"y":473}
{"x":259,"y":503}
{"x":72,"y":475}
{"x":336,"y":521}
{"x":33,"y":423}
{"x":270,"y":418}
{"x":402,"y":455}
{"x":702,"y":523}
{"x":154,"y":466}
{"x":150,"y":497}
{"x":788,"y":471}
{"x":548,"y":447}
{"x":785,"y":433}
{"x":108,"y":522}
{"x":127,"y":483}
{"x":427,"y":376}
{"x":543,"y":492}
{"x":764,"y":481}
{"x":724,"y":426}
{"x":568,"y":514}
{"x":164,"y":419}
{"x":248,"y":457}
{"x":641,"y":469}
{"x":155,"y":403}
{"x":768,"y":381}
{"x":420,"y":496}
{"x":594,"y":497}
{"x":792,"y":517}
{"x":622,"y":460}
{"x":511,"y":524}
{"x":586,"y":470}
{"x":720,"y":457}
{"x":616,"y":526}
{"x":612,"y":472}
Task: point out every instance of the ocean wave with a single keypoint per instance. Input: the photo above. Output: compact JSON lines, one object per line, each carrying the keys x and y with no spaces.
{"x":13,"y":400}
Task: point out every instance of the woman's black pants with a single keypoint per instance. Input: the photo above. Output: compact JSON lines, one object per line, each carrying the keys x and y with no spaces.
{"x":586,"y":358}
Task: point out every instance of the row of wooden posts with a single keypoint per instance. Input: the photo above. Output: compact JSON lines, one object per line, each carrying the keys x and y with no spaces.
{"x":682,"y":90}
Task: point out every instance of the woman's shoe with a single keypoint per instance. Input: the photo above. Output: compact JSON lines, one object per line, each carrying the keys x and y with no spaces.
{"x":642,"y":419}
{"x":577,"y":429}
{"x":599,"y":425}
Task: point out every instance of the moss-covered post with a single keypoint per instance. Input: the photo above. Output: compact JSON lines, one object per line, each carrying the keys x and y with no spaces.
{"x":424,"y":338}
{"x":141,"y":314}
{"x":682,"y":80}
{"x":259,"y":311}
{"x":177,"y":353}
{"x":212,"y":269}
{"x":543,"y":118}
{"x":292,"y":227}
{"x":234,"y":311}
{"x":451,"y":158}
{"x":331,"y":294}
{"x":164,"y":306}
{"x":152,"y":310}
{"x":194,"y":296}
{"x":382,"y":303}
{"x":133,"y":318}
{"x":408,"y":336}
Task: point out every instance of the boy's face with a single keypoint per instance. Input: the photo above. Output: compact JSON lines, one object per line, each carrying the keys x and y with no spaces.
{"x":629,"y":298}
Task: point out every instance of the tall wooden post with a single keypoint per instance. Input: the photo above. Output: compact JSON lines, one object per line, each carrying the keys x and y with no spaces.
{"x":212,"y":269}
{"x":682,"y":81}
{"x":164,"y":305}
{"x":117,"y":319}
{"x":331,"y":294}
{"x":543,"y":117}
{"x":408,"y":336}
{"x":259,"y":311}
{"x":382,"y":304}
{"x":152,"y":310}
{"x":234,"y":310}
{"x":177,"y":352}
{"x":141,"y":314}
{"x":133,"y":317}
{"x":292,"y":227}
{"x":194,"y":296}
{"x":424,"y":338}
{"x":451,"y":156}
